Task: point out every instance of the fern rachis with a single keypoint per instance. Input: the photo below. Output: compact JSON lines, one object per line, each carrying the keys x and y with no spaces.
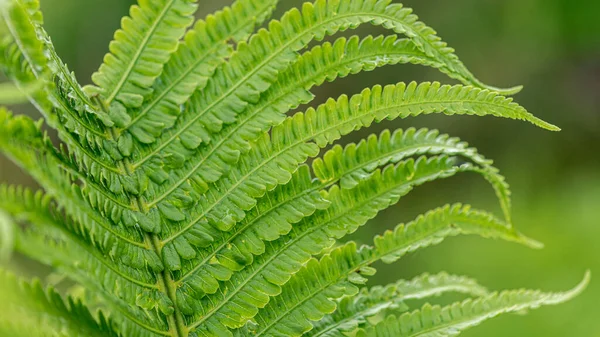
{"x":179,"y":198}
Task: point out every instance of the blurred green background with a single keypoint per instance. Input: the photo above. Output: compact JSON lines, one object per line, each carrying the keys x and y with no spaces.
{"x":550,"y":46}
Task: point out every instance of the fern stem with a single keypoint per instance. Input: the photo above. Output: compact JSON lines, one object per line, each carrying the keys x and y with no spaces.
{"x":175,"y":320}
{"x":176,"y":323}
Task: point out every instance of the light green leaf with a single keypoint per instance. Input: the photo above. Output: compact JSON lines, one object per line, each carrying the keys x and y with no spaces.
{"x":29,"y":310}
{"x":356,"y":311}
{"x":147,"y":38}
{"x":435,"y":321}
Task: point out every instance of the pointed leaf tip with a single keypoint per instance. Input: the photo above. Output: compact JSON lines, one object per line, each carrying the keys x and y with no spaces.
{"x":529,"y":242}
{"x":587,"y":277}
{"x":506,"y":91}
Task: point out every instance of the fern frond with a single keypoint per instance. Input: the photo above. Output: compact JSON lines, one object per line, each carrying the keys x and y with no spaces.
{"x":39,"y":212}
{"x":428,"y":285}
{"x":146,"y":40}
{"x":312,"y":68}
{"x":353,"y":312}
{"x":435,"y":226}
{"x":308,"y":296}
{"x":24,"y":142}
{"x":211,"y":162}
{"x":29,"y":310}
{"x":20,"y":29}
{"x":55,"y":240}
{"x":256,"y":64}
{"x":28,"y":54}
{"x":70,"y":98}
{"x":178,"y":199}
{"x":254,"y":68}
{"x":277,"y":154}
{"x":454,"y":319}
{"x":374,"y":152}
{"x":203,"y":49}
{"x":283,"y":257}
{"x":288,"y":204}
{"x":272,"y":217}
{"x":62,"y":102}
{"x":311,"y":292}
{"x":117,"y":286}
{"x":377,"y":150}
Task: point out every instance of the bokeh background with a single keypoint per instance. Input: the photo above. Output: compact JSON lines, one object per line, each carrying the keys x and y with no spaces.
{"x":552,"y":47}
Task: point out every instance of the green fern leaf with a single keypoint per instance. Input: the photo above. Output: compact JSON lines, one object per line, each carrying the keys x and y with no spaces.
{"x":203,"y":49}
{"x":178,"y":199}
{"x":284,"y":256}
{"x":291,"y":89}
{"x":277,"y":154}
{"x":114,"y":255}
{"x":213,"y":108}
{"x":138,"y":53}
{"x":428,"y":285}
{"x":211,"y":162}
{"x":309,"y":295}
{"x":452,"y":320}
{"x":29,"y":310}
{"x":60,"y":243}
{"x":374,"y":152}
{"x":353,"y":312}
{"x":62,"y":102}
{"x":271,"y":218}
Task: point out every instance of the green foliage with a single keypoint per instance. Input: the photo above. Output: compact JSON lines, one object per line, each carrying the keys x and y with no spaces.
{"x":452,"y":319}
{"x":30,"y":310}
{"x":179,"y":197}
